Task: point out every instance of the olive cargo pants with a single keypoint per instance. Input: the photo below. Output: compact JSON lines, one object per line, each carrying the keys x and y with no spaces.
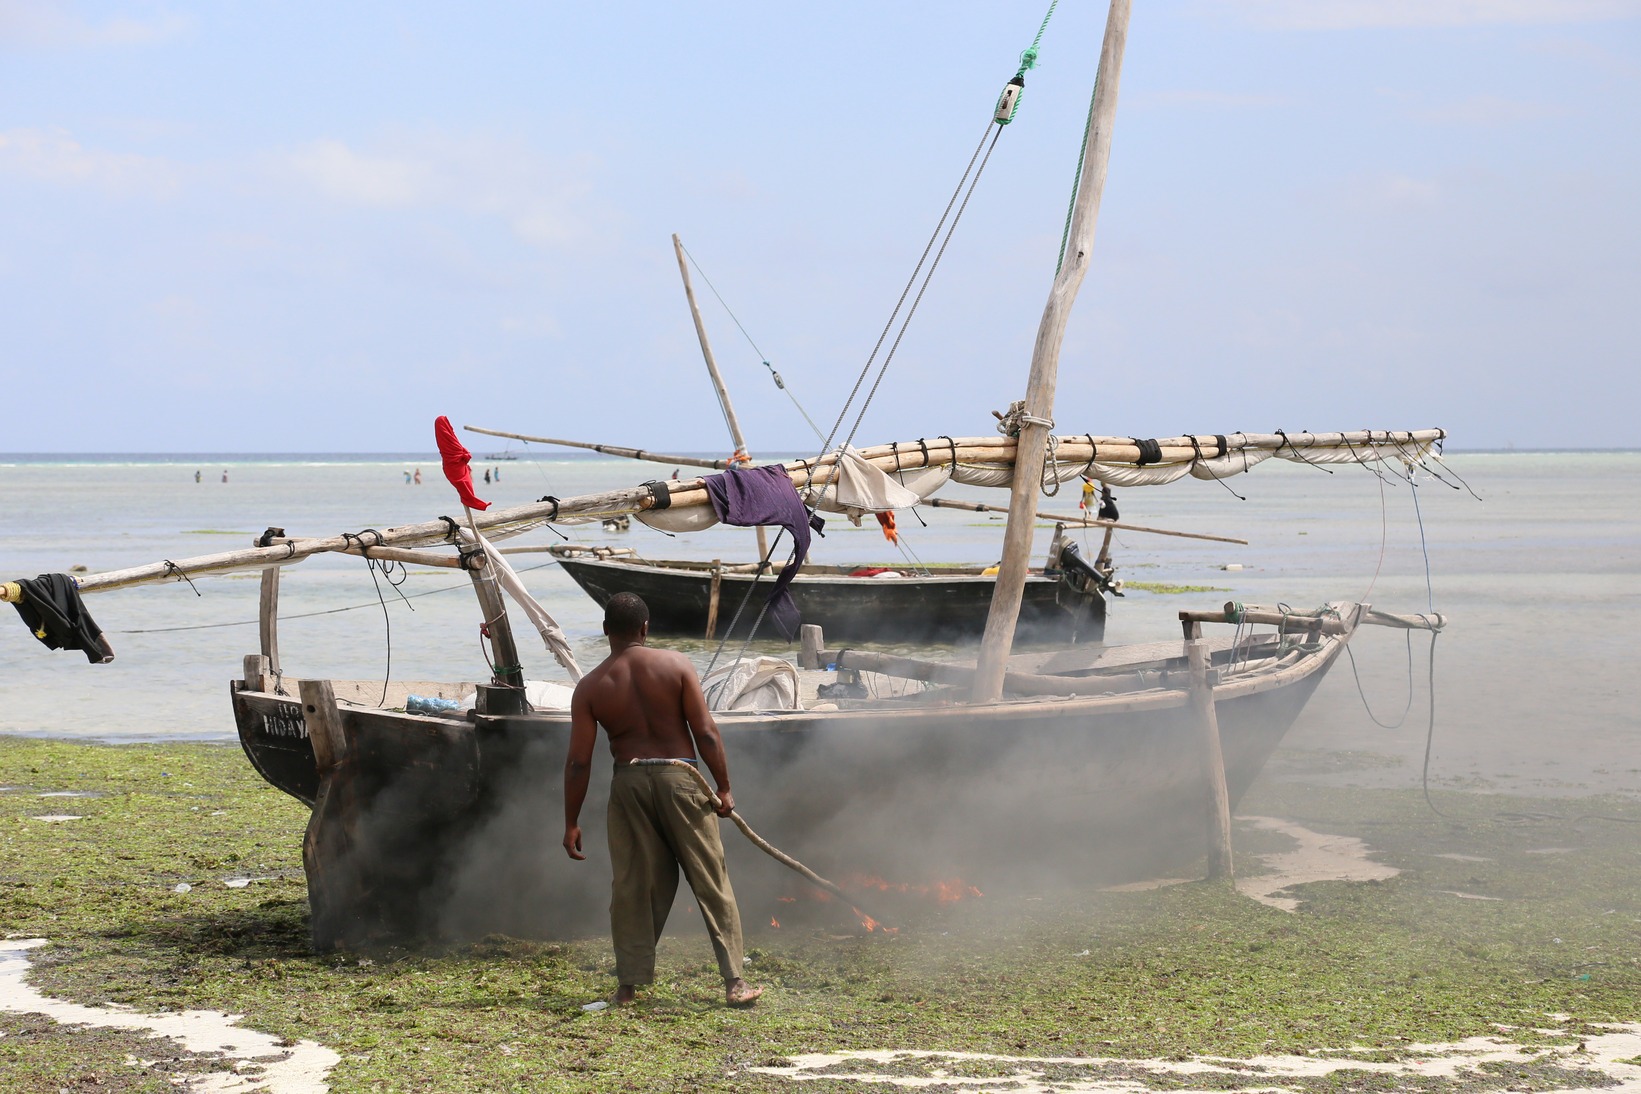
{"x":659,"y":820}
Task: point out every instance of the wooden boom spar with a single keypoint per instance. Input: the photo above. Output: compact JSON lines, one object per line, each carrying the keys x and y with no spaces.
{"x":608,"y":449}
{"x":985,"y":452}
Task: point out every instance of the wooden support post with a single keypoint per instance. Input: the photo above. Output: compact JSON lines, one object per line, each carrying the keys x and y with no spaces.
{"x":509,"y":672}
{"x":268,"y":617}
{"x":1102,"y":561}
{"x":810,"y":643}
{"x":256,"y":672}
{"x":713,"y":595}
{"x":1212,"y":757}
{"x":324,"y":724}
{"x":329,"y":860}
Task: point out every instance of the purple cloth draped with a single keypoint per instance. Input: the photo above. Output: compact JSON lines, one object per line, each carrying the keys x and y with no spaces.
{"x":751,"y":496}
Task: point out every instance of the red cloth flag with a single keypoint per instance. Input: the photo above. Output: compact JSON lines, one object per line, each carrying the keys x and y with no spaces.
{"x":456,"y":458}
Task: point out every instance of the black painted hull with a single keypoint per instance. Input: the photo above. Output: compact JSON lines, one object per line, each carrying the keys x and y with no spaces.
{"x":461,"y":817}
{"x":851,"y":610}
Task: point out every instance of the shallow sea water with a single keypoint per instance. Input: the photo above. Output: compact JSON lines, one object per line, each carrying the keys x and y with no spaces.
{"x":1535,"y":684}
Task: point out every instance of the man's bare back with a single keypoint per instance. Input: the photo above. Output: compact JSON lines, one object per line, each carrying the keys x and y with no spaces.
{"x":642,"y":698}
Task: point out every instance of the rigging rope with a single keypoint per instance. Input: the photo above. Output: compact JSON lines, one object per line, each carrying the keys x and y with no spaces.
{"x":1004,"y":113}
{"x":826,"y":445}
{"x":780,"y":383}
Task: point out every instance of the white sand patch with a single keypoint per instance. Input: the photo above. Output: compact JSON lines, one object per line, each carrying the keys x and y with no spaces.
{"x":57,"y":818}
{"x":1550,"y":850}
{"x":1606,"y":1053}
{"x":68,"y":794}
{"x":267,"y":1063}
{"x":1317,"y":858}
{"x":1467,"y":896}
{"x":1456,"y":857}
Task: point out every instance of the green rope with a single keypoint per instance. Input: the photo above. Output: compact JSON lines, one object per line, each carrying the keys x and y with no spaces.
{"x":1028,"y":61}
{"x":1076,"y":182}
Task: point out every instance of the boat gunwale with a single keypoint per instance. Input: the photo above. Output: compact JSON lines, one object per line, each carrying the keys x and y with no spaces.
{"x":1292,"y":666}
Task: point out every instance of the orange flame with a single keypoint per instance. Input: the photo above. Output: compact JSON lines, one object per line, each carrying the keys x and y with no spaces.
{"x":945,"y":892}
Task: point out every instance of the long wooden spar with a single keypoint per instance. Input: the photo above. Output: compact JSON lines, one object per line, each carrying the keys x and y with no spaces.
{"x":1079,"y":520}
{"x":1072,"y":449}
{"x":995,"y":452}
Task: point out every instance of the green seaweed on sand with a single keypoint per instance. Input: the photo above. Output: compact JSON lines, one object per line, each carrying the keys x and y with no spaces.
{"x":1165,"y":588}
{"x":1194,"y":969}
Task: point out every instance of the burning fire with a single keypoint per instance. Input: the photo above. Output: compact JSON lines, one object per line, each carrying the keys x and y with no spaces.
{"x":941,"y":892}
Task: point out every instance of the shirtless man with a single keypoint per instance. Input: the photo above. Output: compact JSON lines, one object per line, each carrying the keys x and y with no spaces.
{"x":650,"y":704}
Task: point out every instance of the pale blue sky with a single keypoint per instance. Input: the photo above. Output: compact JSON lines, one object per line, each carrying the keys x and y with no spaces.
{"x":263,"y":226}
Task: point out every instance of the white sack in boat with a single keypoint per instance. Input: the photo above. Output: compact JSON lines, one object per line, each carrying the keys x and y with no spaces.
{"x":756,"y":683}
{"x":540,"y":694}
{"x":860,"y":488}
{"x":691,"y":519}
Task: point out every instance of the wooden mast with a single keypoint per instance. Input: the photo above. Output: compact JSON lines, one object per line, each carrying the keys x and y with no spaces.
{"x":735,"y":434}
{"x":1045,"y":358}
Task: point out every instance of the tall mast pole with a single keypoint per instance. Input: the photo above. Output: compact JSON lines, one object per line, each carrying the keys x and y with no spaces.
{"x":1045,"y":360}
{"x":735,"y":435}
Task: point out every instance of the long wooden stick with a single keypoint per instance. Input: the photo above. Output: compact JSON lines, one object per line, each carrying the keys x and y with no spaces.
{"x":736,"y":437}
{"x":746,"y":830}
{"x":1079,"y":520}
{"x":608,"y":449}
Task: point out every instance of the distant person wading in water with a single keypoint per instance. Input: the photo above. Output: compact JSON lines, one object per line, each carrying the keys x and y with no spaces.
{"x":650,"y":704}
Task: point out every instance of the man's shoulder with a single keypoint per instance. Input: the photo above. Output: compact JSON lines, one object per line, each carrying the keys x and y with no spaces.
{"x":593,"y":678}
{"x":667,"y":659}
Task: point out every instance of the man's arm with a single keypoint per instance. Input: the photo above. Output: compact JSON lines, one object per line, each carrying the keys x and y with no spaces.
{"x":578,"y":767}
{"x":708,"y":745}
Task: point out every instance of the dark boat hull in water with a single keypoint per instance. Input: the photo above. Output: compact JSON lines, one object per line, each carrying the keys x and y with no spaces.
{"x":430,"y":827}
{"x":949,"y":605}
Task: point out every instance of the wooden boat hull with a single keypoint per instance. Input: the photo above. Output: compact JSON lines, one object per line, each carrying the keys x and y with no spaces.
{"x":921,"y":609}
{"x":448,"y":827}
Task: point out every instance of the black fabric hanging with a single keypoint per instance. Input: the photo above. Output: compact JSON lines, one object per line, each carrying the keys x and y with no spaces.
{"x":52,"y":608}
